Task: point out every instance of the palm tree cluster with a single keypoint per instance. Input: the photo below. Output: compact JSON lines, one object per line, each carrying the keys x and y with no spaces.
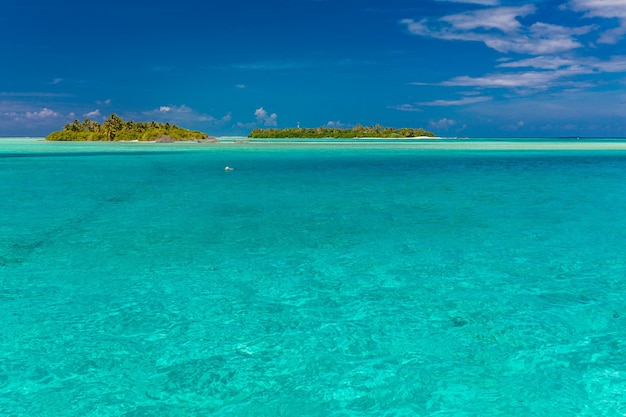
{"x":116,"y":129}
{"x":357,"y":131}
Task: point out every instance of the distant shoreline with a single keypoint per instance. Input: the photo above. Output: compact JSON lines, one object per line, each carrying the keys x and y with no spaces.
{"x":435,"y":144}
{"x":439,"y":144}
{"x":325,"y":132}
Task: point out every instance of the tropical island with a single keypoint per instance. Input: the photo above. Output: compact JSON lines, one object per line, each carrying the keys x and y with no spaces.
{"x":357,"y":131}
{"x":116,"y":129}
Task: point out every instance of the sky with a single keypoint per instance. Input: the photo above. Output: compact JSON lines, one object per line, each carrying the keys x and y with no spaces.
{"x":466,"y":68}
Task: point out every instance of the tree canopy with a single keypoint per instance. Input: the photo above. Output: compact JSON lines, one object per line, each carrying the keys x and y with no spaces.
{"x":116,"y":129}
{"x":357,"y":131}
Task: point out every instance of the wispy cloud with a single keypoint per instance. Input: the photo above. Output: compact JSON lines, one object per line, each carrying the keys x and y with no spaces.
{"x":512,"y":29}
{"x":501,"y":18}
{"x":41,"y":119}
{"x":183,"y":114}
{"x":25,"y":118}
{"x":499,"y":28}
{"x":459,"y":102}
{"x":570,"y":66}
{"x":44,"y":113}
{"x":615,"y":65}
{"x":550,"y":50}
{"x":543,"y":73}
{"x":537,"y":80}
{"x":33,"y":94}
{"x":441,"y":124}
{"x":337,"y":124}
{"x":539,"y":62}
{"x":608,"y":9}
{"x":275,"y":65}
{"x":416,"y":107}
{"x":406,"y":107}
{"x":93,"y":114}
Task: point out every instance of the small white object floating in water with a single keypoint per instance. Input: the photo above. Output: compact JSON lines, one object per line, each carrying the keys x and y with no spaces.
{"x":229,"y":168}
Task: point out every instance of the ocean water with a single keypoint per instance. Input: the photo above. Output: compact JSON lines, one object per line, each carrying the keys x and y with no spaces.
{"x":312,"y":280}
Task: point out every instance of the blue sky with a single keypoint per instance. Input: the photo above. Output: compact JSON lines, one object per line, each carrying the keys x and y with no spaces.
{"x":455,"y":67}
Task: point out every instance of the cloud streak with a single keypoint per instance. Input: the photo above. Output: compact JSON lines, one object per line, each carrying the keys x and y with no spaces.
{"x":549,"y":50}
{"x":42,"y":114}
{"x":607,"y":9}
{"x":460,"y":102}
{"x":500,"y":28}
{"x":406,"y":107}
{"x":33,"y":94}
{"x":184,"y":114}
{"x":416,"y":107}
{"x":542,"y":73}
{"x":93,"y":114}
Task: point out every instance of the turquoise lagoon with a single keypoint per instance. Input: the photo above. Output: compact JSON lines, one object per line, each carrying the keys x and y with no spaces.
{"x":382,"y":278}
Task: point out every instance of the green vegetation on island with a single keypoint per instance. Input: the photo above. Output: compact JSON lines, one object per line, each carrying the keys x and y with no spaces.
{"x":116,"y":129}
{"x":357,"y":131}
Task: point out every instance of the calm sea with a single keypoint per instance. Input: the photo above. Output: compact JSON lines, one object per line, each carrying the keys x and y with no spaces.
{"x":367,"y":280}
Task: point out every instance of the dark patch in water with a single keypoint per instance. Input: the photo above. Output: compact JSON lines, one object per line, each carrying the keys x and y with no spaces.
{"x":115,"y":199}
{"x":18,"y":252}
{"x":27,"y":247}
{"x":9,"y":261}
{"x":459,"y":322}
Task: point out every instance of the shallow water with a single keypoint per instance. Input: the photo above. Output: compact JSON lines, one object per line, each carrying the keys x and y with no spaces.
{"x":143,"y":279}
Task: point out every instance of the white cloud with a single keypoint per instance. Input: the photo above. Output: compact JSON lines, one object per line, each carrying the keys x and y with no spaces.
{"x":608,"y":9}
{"x":226,"y":118}
{"x":545,"y":73}
{"x":615,"y":64}
{"x":406,"y":107}
{"x":183,"y":114}
{"x":461,"y":102}
{"x":56,"y":81}
{"x":568,"y":67}
{"x":337,"y":124}
{"x":600,"y":8}
{"x":539,"y":62}
{"x":92,"y":114}
{"x":538,"y":80}
{"x":246,"y":125}
{"x":44,"y":113}
{"x":240,"y":86}
{"x":500,"y":18}
{"x":499,"y":28}
{"x":441,"y":124}
{"x":549,"y":72}
{"x":19,"y":113}
{"x":104,"y":102}
{"x":263,"y":117}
